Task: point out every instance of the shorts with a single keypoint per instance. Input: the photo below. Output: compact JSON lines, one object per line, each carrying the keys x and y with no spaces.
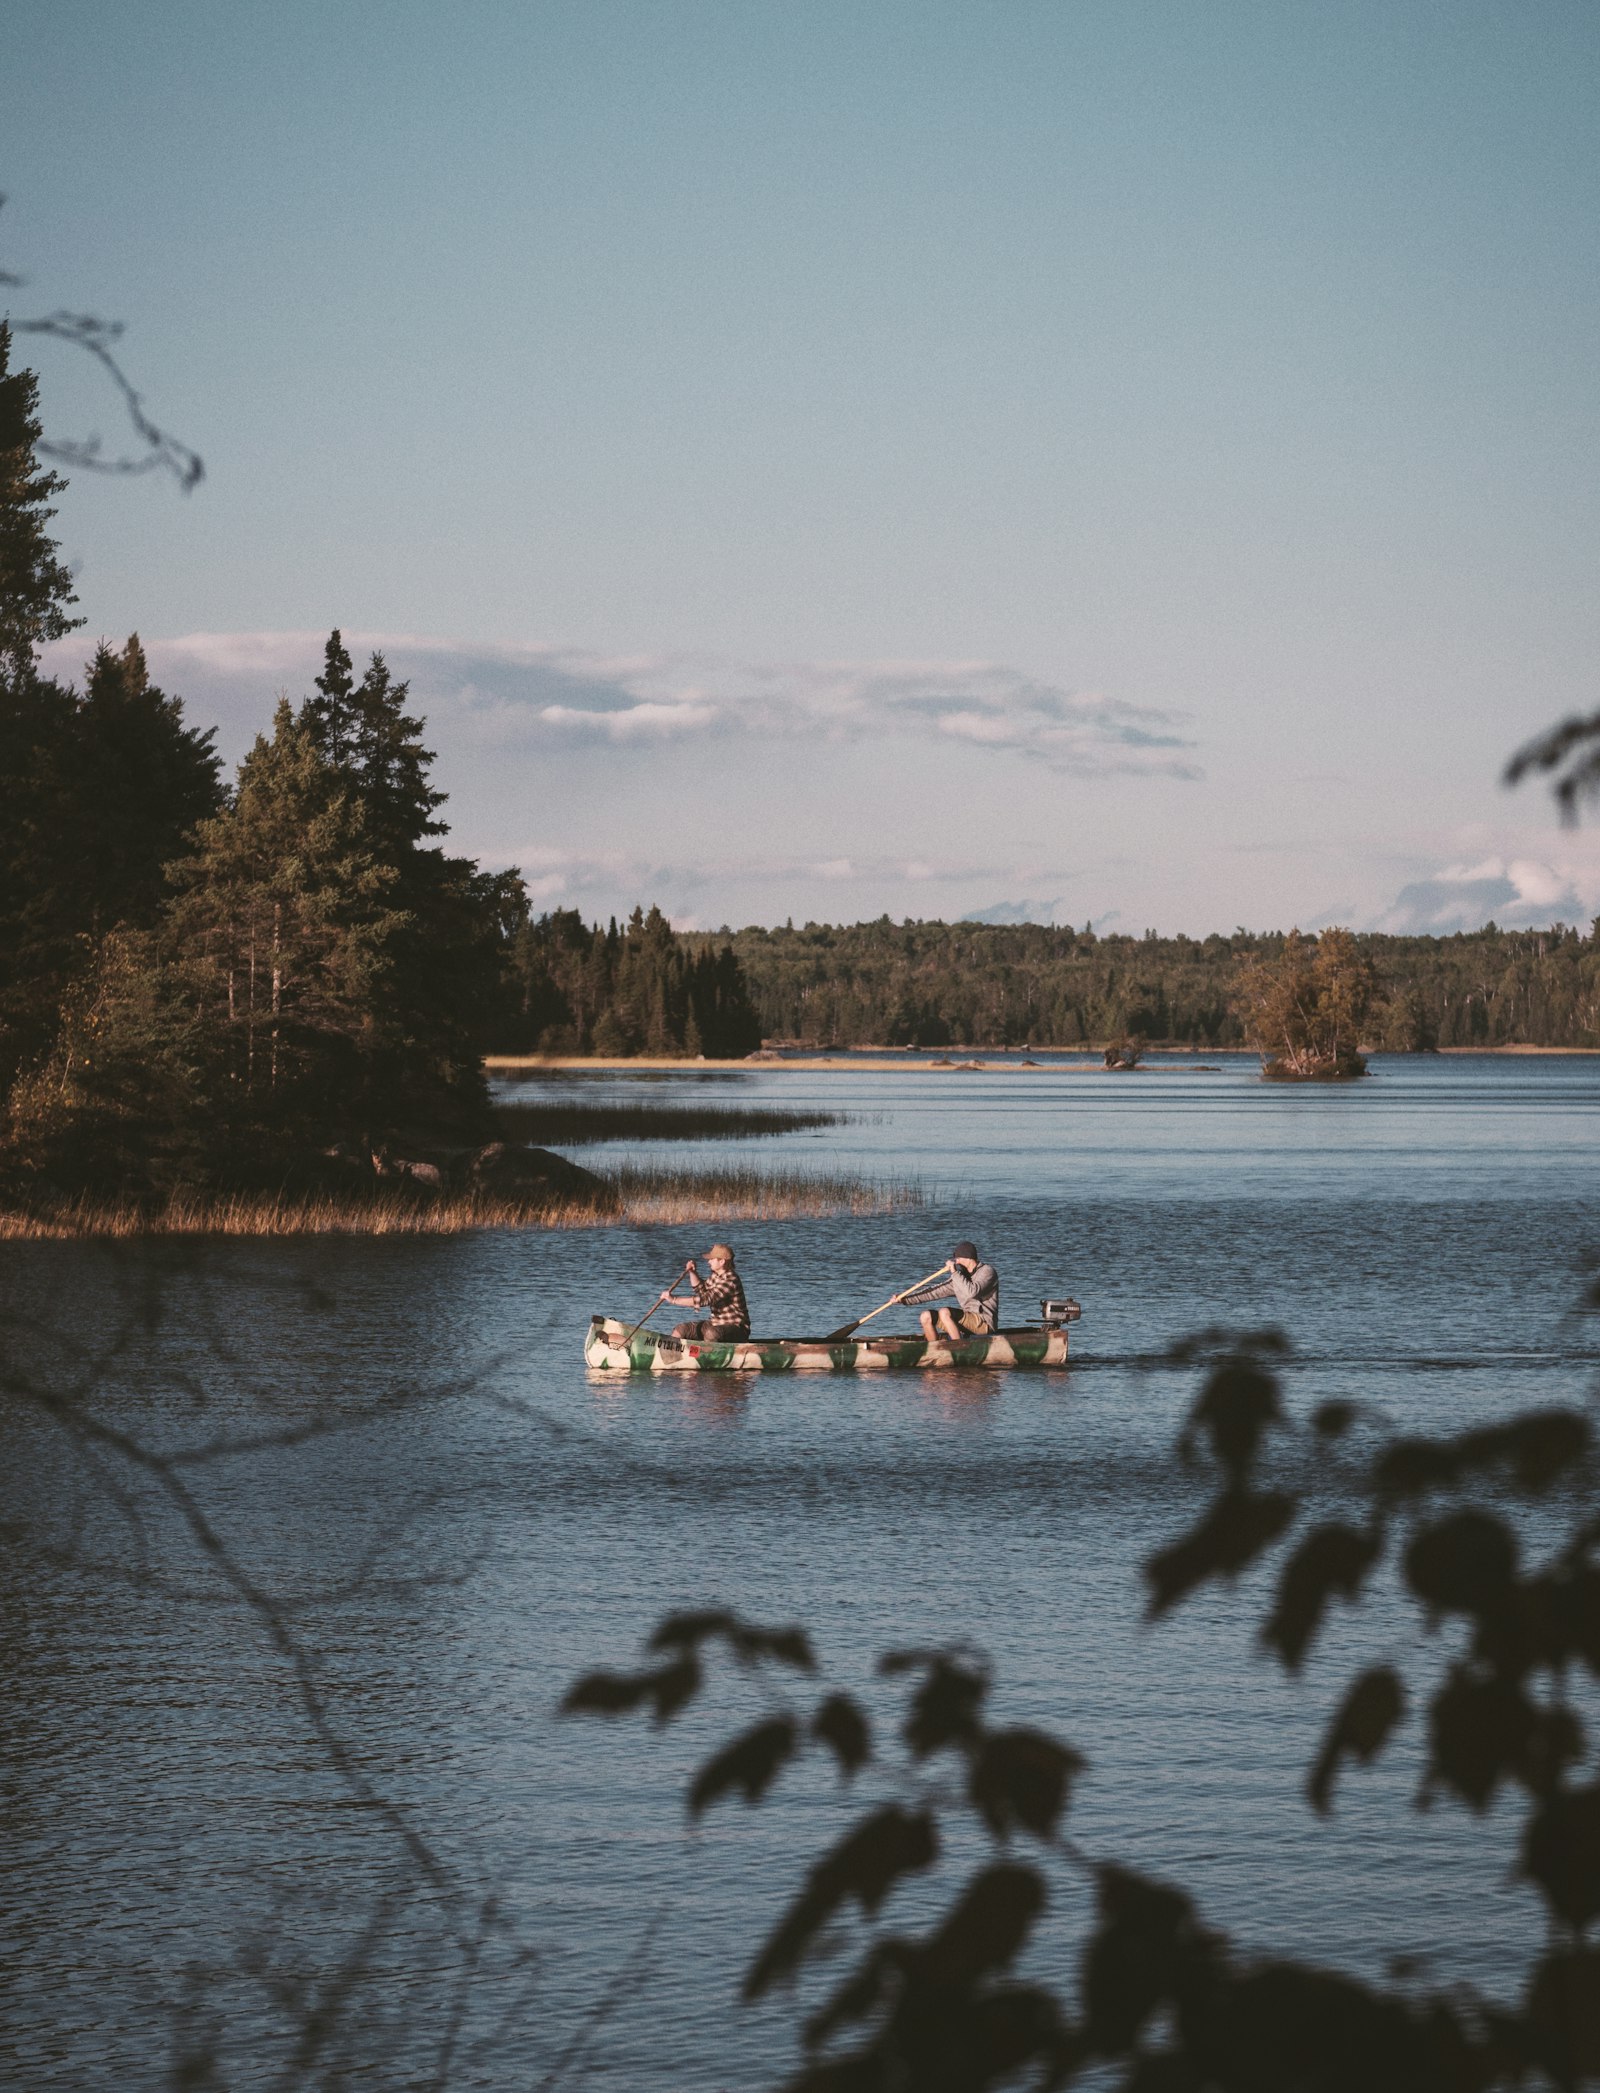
{"x":714,"y":1333}
{"x":969,"y":1320}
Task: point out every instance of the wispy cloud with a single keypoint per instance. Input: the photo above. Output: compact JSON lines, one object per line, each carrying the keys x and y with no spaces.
{"x":509,"y":698}
{"x":1515,"y":892}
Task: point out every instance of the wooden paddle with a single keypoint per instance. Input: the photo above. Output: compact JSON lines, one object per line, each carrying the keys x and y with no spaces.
{"x":838,"y":1336}
{"x":629,"y":1335}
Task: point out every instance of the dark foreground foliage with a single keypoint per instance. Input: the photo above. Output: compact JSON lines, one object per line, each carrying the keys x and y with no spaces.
{"x":1161,"y":2003}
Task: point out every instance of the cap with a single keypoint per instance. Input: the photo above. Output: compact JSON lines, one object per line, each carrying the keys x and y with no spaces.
{"x":965,"y":1250}
{"x":720,"y":1250}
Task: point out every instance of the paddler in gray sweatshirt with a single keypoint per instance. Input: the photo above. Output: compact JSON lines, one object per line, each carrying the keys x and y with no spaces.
{"x":975,"y":1287}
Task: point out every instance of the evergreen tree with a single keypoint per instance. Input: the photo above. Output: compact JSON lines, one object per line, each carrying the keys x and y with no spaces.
{"x":128,"y":1098}
{"x":40,"y":875}
{"x":364,"y":731}
{"x":331,"y":714}
{"x":289,"y":916}
{"x":639,"y":990}
{"x":144,"y":781}
{"x":97,"y":794}
{"x":448,"y":984}
{"x":35,"y":588}
{"x":391,"y":766}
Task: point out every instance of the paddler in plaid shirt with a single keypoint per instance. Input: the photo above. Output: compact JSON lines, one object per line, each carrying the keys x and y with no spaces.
{"x":720,"y":1296}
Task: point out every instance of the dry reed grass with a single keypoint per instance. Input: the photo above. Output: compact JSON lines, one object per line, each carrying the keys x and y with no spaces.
{"x":645,"y":1195}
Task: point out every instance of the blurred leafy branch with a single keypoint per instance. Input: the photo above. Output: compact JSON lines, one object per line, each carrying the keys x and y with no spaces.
{"x":159,"y":450}
{"x":1162,"y":2003}
{"x":1572,"y":750}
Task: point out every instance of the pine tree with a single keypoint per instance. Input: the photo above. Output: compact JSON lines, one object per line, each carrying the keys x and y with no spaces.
{"x":290,"y":915}
{"x":364,"y":731}
{"x":391,"y":765}
{"x":331,"y":714}
{"x":127,"y":1100}
{"x":144,"y":780}
{"x":35,"y":588}
{"x":449,"y":986}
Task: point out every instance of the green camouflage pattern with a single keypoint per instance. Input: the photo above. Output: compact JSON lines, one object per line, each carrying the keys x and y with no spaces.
{"x":647,"y":1352}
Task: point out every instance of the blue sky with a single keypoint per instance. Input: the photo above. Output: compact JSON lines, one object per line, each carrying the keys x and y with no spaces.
{"x":813,"y":460}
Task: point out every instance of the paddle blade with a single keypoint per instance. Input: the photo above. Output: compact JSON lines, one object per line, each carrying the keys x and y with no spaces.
{"x":844,"y":1330}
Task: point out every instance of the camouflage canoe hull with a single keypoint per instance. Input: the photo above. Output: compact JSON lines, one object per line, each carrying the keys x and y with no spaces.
{"x":648,"y":1353}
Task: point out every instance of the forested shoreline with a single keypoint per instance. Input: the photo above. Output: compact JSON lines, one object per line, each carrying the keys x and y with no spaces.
{"x":286,"y":985}
{"x":977,"y":984}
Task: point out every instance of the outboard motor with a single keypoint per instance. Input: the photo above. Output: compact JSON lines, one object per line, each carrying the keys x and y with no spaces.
{"x":1054,"y":1313}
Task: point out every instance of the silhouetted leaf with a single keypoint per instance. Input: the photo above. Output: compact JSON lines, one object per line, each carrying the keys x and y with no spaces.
{"x":879,"y":1974}
{"x":946,"y":1705}
{"x":841,"y":1725}
{"x":1166,"y":2071}
{"x":688,"y":1631}
{"x":750,"y":1763}
{"x":1238,"y":1527}
{"x":1334,"y":1558}
{"x":1281,"y":2025}
{"x":1214,"y":1340}
{"x":1237,"y":1403}
{"x":1464,"y":1563}
{"x":1331,"y":1420}
{"x":791,"y":1646}
{"x":1537,"y":1447}
{"x":1483,"y":1731}
{"x":1369,"y":1711}
{"x":607,"y":1693}
{"x":1410,"y":1467}
{"x":665,"y":1690}
{"x":1145,"y":1938}
{"x":1561,"y":1852}
{"x":1564,"y":2014}
{"x":673,"y":1687}
{"x":1576,"y":1605}
{"x":864,"y":1866}
{"x":1021,"y":1778}
{"x":992,"y":1918}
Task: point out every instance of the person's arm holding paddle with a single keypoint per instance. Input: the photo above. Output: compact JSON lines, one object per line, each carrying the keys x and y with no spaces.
{"x":975,"y":1288}
{"x":725,"y":1317}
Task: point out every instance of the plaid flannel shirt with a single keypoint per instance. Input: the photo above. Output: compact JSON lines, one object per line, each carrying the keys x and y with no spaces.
{"x":720,"y":1294}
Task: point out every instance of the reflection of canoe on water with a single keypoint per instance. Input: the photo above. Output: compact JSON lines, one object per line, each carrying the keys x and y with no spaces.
{"x":1038,"y":1344}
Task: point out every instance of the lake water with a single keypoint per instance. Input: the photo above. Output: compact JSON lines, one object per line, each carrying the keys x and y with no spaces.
{"x":186,"y":1868}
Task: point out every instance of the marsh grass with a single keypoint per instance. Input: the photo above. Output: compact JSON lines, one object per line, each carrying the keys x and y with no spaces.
{"x":643,"y":1194}
{"x":564,"y":1124}
{"x":756,"y":1195}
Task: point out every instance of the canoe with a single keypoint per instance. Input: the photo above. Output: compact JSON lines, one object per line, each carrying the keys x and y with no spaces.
{"x":646,"y":1352}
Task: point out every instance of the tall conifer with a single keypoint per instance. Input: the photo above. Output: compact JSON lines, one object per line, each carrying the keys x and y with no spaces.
{"x":35,"y":588}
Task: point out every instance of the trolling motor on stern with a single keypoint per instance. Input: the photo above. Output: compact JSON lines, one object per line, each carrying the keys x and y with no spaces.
{"x":1052,"y":1314}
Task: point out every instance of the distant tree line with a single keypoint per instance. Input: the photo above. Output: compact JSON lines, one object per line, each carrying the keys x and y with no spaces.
{"x":638,"y":990}
{"x":940,"y":984}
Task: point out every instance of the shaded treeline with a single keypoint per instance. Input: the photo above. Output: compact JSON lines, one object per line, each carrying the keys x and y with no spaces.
{"x":641,"y":989}
{"x":937,"y":984}
{"x":206,"y":985}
